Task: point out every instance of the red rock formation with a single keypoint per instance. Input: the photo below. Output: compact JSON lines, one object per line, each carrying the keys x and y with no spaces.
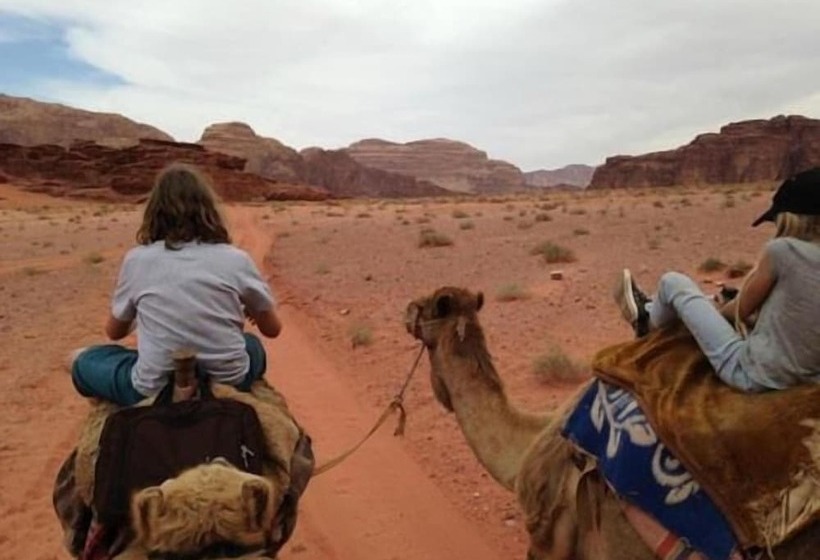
{"x":571,"y":175}
{"x":264,"y":156}
{"x":749,"y":151}
{"x":29,"y":123}
{"x":455,"y":166}
{"x":128,"y":173}
{"x":339,"y":173}
{"x":334,"y":171}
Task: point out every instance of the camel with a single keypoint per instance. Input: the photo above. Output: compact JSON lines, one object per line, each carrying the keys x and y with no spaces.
{"x":570,"y":512}
{"x":213,"y":508}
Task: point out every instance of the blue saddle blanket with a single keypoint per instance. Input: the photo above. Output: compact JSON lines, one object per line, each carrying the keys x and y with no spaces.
{"x":609,"y":424}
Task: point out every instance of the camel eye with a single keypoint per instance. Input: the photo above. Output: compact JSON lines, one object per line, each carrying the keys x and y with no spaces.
{"x":444,"y":305}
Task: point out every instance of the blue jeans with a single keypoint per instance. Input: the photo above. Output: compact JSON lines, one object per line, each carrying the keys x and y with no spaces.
{"x":679,"y":297}
{"x":104,"y":371}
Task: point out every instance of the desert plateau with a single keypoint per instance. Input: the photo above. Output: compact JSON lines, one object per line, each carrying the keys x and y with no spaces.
{"x":343,"y":272}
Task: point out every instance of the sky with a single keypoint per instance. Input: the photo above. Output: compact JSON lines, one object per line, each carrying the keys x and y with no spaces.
{"x":538,"y":83}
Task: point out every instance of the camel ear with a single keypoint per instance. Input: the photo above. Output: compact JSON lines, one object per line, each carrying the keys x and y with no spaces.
{"x":255,"y":496}
{"x":221,"y":461}
{"x":444,"y":304}
{"x":479,"y":301}
{"x":147,"y":506}
{"x":411,"y":317}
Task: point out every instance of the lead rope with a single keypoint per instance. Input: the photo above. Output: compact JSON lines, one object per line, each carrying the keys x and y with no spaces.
{"x":396,"y":404}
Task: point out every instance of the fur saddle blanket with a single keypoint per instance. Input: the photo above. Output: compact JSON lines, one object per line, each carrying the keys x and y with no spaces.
{"x":756,"y":455}
{"x":272,"y":497}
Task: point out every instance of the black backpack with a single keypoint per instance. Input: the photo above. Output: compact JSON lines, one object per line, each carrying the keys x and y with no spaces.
{"x":144,"y":446}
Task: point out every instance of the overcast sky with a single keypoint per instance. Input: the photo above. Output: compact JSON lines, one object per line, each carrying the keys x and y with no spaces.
{"x":540,"y":83}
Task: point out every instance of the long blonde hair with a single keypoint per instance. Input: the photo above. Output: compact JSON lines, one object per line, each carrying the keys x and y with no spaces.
{"x":182,"y":207}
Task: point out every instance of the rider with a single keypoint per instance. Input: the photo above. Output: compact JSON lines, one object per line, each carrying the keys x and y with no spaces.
{"x":783,"y":347}
{"x":183,"y":286}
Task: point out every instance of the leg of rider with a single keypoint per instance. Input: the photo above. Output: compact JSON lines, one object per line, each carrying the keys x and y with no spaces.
{"x":258,"y":361}
{"x":678,"y":295}
{"x":104,"y":372}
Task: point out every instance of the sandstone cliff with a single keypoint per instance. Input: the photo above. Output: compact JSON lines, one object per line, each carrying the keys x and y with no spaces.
{"x":571,"y":175}
{"x":89,"y":169}
{"x":28,"y":123}
{"x":455,"y":166}
{"x":748,"y":151}
{"x":334,"y":171}
{"x":343,"y":176}
{"x":264,"y":156}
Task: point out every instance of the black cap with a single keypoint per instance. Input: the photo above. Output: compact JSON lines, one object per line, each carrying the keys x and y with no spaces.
{"x":799,"y":194}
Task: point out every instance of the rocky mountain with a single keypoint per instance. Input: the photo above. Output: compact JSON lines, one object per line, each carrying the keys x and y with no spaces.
{"x":29,"y":123}
{"x":332,"y":170}
{"x":340,"y":174}
{"x":455,"y":166}
{"x":742,"y":152}
{"x":264,"y":156}
{"x":90,"y":169}
{"x":576,"y":175}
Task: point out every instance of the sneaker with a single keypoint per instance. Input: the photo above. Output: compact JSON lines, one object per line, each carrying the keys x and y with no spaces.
{"x":632,"y":303}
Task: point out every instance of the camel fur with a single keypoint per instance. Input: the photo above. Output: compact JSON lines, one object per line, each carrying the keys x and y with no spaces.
{"x":570,"y":512}
{"x":210,"y":503}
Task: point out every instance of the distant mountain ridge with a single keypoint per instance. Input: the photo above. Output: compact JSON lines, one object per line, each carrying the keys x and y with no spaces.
{"x":27,"y":122}
{"x":741,"y":152}
{"x":577,"y":175}
{"x":453,"y":165}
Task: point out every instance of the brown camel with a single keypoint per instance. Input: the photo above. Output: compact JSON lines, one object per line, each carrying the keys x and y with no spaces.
{"x":570,"y":513}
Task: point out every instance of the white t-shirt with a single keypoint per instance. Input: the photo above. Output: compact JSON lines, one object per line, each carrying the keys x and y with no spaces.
{"x":189,"y":298}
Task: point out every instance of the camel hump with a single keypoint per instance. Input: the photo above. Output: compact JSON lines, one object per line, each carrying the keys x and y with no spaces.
{"x":184,"y":373}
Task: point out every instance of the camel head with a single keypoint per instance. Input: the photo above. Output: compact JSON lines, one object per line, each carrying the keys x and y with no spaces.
{"x":208,"y":504}
{"x":447,"y":323}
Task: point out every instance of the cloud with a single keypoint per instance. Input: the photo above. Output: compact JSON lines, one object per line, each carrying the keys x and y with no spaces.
{"x":541,"y":83}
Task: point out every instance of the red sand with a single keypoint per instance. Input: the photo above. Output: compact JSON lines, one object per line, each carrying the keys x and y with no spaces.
{"x":340,"y":268}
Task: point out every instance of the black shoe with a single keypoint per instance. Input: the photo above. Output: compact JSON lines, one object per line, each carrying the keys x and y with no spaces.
{"x":632,"y":303}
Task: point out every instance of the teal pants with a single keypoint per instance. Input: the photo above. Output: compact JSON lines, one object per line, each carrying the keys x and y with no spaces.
{"x":104,"y":371}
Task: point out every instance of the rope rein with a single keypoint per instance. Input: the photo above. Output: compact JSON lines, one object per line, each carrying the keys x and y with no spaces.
{"x":396,"y":404}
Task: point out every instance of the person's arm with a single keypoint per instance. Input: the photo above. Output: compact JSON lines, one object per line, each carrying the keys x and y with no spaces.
{"x":116,"y":329}
{"x":756,"y":289}
{"x":267,"y":322}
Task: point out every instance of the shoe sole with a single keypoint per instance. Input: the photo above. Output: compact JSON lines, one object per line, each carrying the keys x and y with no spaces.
{"x":626,"y":299}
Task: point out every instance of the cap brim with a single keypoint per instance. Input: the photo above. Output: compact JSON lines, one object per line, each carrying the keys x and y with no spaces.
{"x":768,"y":216}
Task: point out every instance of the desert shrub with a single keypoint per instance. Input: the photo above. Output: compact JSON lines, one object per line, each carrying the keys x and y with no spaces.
{"x":364,"y":215}
{"x":654,"y":244}
{"x":555,"y":366}
{"x":432,"y":238}
{"x":553,"y":253}
{"x":511,"y":292}
{"x":460,"y":214}
{"x":524,"y":225}
{"x":580,"y":231}
{"x":542,"y":217}
{"x":322,"y":269}
{"x":361,"y":335}
{"x":466,"y":225}
{"x":712,"y":264}
{"x":577,"y":212}
{"x":657,"y":204}
{"x":728,"y":202}
{"x":94,"y":258}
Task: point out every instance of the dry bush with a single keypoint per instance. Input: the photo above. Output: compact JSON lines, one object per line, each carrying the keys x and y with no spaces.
{"x":712,"y":264}
{"x":466,"y":225}
{"x":361,"y":335}
{"x":554,"y":253}
{"x":460,"y":214}
{"x":511,"y":292}
{"x":580,"y":231}
{"x":542,"y":217}
{"x":555,"y":366}
{"x":94,"y":258}
{"x":431,"y":238}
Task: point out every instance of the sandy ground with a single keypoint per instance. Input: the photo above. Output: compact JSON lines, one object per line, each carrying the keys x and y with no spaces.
{"x":343,"y":271}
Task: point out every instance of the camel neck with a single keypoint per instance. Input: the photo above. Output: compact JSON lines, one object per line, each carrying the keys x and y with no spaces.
{"x":497,"y":432}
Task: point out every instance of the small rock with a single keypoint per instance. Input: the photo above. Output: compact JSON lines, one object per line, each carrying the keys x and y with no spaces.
{"x":556,"y":274}
{"x":344,"y":312}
